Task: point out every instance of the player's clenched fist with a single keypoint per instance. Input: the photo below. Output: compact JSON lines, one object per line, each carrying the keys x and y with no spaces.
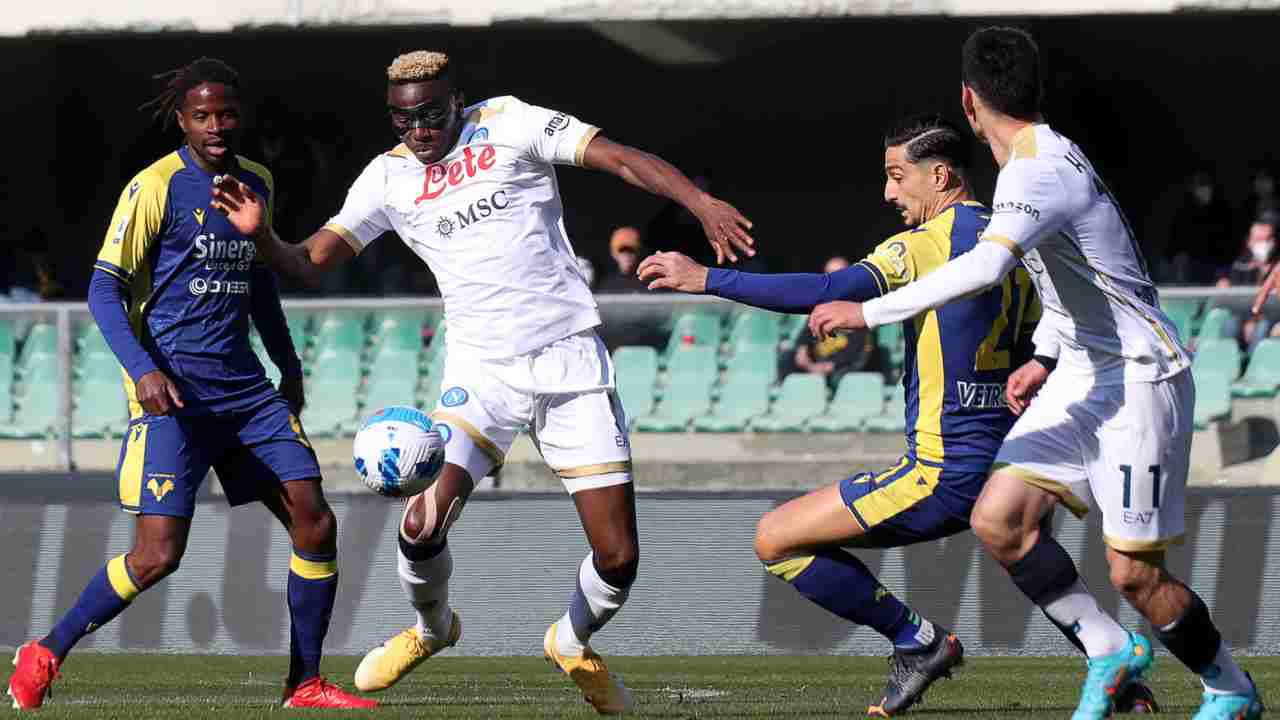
{"x":673,"y":271}
{"x":240,"y":204}
{"x":829,"y":317}
{"x":157,"y":394}
{"x":1023,"y":385}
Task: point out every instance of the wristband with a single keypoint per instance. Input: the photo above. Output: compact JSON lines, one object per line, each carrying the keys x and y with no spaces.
{"x":1049,"y":363}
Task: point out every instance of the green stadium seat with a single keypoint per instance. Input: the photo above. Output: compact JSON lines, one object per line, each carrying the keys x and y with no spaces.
{"x":682,"y":402}
{"x":40,"y":345}
{"x":101,"y":409}
{"x":740,"y":400}
{"x":1213,"y":398}
{"x":858,"y":396}
{"x":692,"y":365}
{"x":92,"y":341}
{"x":98,"y":367}
{"x":694,"y":329}
{"x":802,"y":396}
{"x":1218,"y":323}
{"x":1218,"y":356}
{"x":6,"y":387}
{"x":893,"y":417}
{"x":1262,"y":375}
{"x":753,"y":363}
{"x":753,"y":328}
{"x":890,"y":338}
{"x":391,"y":389}
{"x":299,"y":323}
{"x":340,"y":330}
{"x":35,"y":413}
{"x":431,"y":388}
{"x":400,"y":329}
{"x":436,"y":348}
{"x":791,"y":327}
{"x":636,"y":369}
{"x":1183,"y":312}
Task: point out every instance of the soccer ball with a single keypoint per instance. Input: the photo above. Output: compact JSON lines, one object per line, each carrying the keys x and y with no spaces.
{"x":398,"y":452}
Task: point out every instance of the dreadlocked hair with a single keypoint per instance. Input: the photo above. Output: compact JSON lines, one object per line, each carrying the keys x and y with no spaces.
{"x":179,"y":81}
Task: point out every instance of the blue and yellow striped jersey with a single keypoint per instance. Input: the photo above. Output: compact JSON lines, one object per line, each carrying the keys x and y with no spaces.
{"x":958,"y":357}
{"x":188,"y":273}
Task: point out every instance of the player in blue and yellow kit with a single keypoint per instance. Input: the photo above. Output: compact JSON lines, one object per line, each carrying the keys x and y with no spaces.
{"x":958,"y":360}
{"x":174,"y":290}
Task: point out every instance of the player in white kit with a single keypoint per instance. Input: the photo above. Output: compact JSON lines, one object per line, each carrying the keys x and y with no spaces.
{"x":472,"y":190}
{"x":1111,"y":420}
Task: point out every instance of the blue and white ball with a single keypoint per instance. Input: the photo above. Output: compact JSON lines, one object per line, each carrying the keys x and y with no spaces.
{"x":398,"y":452}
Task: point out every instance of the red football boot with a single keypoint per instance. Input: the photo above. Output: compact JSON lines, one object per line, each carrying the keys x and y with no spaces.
{"x":37,"y":668}
{"x":319,"y":693}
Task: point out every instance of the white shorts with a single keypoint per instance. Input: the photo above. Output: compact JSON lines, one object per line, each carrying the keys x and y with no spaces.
{"x":1123,"y":448}
{"x":562,"y":393}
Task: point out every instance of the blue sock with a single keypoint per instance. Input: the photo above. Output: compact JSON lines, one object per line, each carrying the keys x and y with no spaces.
{"x":313,"y":585}
{"x":106,"y":596}
{"x":842,"y":584}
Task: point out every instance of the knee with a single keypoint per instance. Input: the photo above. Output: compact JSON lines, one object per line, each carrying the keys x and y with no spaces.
{"x":1004,"y":541}
{"x":618,"y":564}
{"x":769,"y":547}
{"x":153,"y":563}
{"x":317,"y":531}
{"x":1132,"y":578}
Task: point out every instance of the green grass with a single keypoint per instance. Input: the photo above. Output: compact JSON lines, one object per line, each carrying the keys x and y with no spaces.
{"x":196,"y":687}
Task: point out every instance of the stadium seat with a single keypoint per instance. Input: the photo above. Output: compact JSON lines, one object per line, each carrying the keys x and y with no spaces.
{"x":92,"y":341}
{"x":273,"y":373}
{"x":802,"y":396}
{"x":890,"y":338}
{"x":97,"y":367}
{"x":753,"y":363}
{"x":298,"y":332}
{"x":893,"y":417}
{"x":741,"y":399}
{"x":694,"y":329}
{"x":1262,"y":375}
{"x":1213,"y":398}
{"x":684,"y":400}
{"x":1219,"y":356}
{"x":34,"y":414}
{"x":791,"y":327}
{"x":636,"y":369}
{"x":858,"y":397}
{"x":1183,"y":312}
{"x":692,"y":365}
{"x":401,"y":329}
{"x":39,"y":347}
{"x":752,"y":328}
{"x":391,"y":389}
{"x":331,"y":393}
{"x":1218,"y":323}
{"x":340,"y":330}
{"x":101,"y":409}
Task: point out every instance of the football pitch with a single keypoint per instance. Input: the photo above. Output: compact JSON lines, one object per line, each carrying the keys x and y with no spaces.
{"x":193,"y":687}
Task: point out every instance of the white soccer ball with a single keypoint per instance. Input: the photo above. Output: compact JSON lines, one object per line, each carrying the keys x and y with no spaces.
{"x":398,"y":452}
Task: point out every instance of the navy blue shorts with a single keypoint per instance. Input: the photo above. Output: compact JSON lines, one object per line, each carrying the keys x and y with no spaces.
{"x":911,"y":502}
{"x":164,"y":459}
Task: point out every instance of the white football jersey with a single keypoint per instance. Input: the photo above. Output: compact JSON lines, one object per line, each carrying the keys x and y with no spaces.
{"x":1101,"y":310}
{"x":488,"y":222}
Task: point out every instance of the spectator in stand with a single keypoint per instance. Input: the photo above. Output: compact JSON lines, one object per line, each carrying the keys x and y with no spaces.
{"x":1256,"y":261}
{"x":1201,"y":234}
{"x":627,"y":250}
{"x":837,"y":355}
{"x":1262,"y":197}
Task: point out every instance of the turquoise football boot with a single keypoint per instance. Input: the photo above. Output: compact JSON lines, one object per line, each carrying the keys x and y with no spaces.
{"x":1231,"y":707}
{"x":1109,"y":674}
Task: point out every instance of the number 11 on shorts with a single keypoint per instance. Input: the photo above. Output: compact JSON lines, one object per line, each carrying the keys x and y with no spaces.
{"x":1128,"y":485}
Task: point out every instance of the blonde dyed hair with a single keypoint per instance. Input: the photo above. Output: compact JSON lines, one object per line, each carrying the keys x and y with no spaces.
{"x":418,"y":66}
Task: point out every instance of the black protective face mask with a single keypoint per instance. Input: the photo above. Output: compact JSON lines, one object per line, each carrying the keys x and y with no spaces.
{"x":429,"y":115}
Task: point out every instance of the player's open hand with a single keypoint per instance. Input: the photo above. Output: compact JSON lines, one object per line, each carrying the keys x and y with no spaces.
{"x":829,"y":317}
{"x":1023,"y":385}
{"x":294,"y":394}
{"x":1269,"y":288}
{"x":725,"y":227}
{"x":240,"y":204}
{"x":673,"y":271}
{"x":157,"y":394}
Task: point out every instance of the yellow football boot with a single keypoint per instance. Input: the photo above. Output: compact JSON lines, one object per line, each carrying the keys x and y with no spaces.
{"x":605,"y":692}
{"x":385,"y":665}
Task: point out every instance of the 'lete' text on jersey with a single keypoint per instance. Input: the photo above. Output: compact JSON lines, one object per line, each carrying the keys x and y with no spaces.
{"x":1101,"y":309}
{"x":488,"y":222}
{"x":188,"y":273}
{"x":959,"y":356}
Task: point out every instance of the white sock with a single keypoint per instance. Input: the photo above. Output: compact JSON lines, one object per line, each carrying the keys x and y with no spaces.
{"x":594,"y":601}
{"x":1098,"y":632}
{"x":426,"y":584}
{"x":1224,"y":676}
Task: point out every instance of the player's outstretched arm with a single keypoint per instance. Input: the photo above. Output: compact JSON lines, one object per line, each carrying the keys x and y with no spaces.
{"x":306,"y":261}
{"x":1269,"y":288}
{"x":781,"y":292}
{"x":726,"y":228}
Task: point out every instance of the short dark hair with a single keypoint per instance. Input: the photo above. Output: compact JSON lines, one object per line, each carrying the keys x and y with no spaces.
{"x":1002,"y":65}
{"x":179,"y":81}
{"x":931,"y":137}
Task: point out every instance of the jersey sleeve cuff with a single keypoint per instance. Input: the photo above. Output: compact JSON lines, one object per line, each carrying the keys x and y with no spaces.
{"x":580,"y":152}
{"x":347,"y":235}
{"x":881,"y":283}
{"x":115,"y":271}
